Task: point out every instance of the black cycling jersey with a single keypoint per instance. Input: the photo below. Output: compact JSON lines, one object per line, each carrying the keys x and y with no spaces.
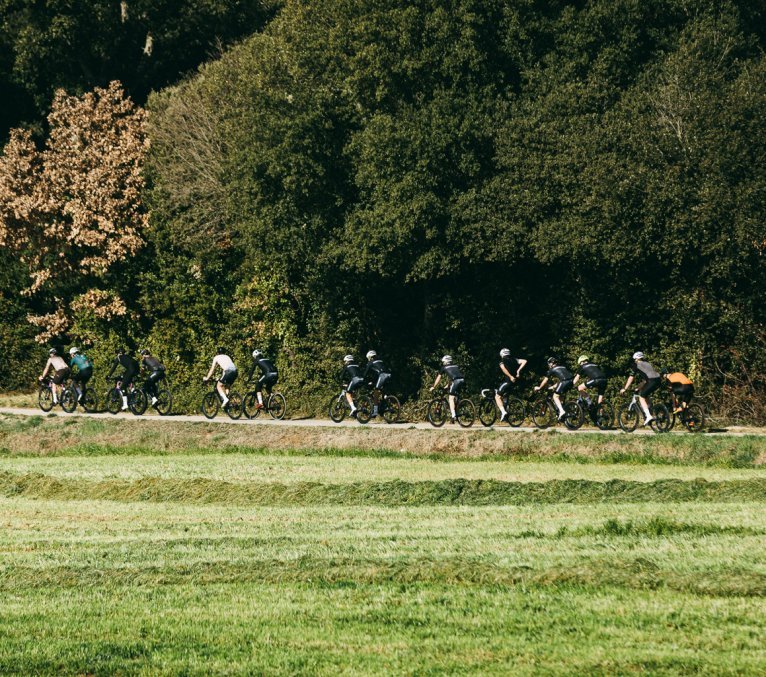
{"x":152,"y":363}
{"x":265,"y":365}
{"x":511,"y":364}
{"x":375,"y":369}
{"x":452,"y":372}
{"x":591,"y":372}
{"x":350,"y":372}
{"x":560,"y":372}
{"x":644,"y":370}
{"x":129,"y":365}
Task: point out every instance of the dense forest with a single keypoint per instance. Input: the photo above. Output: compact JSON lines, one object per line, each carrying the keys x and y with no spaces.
{"x":418,"y":177}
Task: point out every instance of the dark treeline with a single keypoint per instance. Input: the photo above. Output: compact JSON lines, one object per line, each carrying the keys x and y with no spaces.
{"x":430,"y":177}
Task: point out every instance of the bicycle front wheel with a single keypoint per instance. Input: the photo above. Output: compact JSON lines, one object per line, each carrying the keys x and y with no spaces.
{"x":694,"y":418}
{"x":137,"y":402}
{"x":69,"y":399}
{"x":516,"y":412}
{"x":487,"y":413}
{"x":627,"y":418}
{"x":113,"y":401}
{"x":277,"y":406}
{"x":164,"y":403}
{"x":250,"y":405}
{"x":661,"y":422}
{"x":543,"y":414}
{"x":363,"y":409}
{"x":337,"y":409}
{"x":604,"y":416}
{"x":465,"y":412}
{"x":210,"y":405}
{"x":575,"y":416}
{"x":438,"y":411}
{"x":391,"y":408}
{"x":234,"y":406}
{"x":89,"y":400}
{"x":45,"y":399}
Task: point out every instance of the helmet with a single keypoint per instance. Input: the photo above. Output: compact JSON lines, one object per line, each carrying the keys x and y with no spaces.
{"x":145,"y":351}
{"x":220,"y":350}
{"x":256,"y":354}
{"x":505,"y":352}
{"x":552,"y":360}
{"x":348,"y":359}
{"x":52,"y":352}
{"x":120,"y":351}
{"x":371,"y":355}
{"x":73,"y":350}
{"x":447,"y":359}
{"x":664,"y":372}
{"x":583,"y":359}
{"x":638,"y":355}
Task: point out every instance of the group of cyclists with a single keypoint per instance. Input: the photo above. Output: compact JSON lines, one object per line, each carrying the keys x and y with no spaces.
{"x":588,"y":377}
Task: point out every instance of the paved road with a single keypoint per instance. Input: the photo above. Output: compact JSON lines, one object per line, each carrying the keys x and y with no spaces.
{"x":348,"y":423}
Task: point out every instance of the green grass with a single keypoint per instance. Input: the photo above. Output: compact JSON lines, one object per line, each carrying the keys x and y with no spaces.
{"x":233,"y":560}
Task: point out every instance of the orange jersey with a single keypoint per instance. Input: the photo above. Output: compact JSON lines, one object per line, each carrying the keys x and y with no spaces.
{"x":678,"y":377}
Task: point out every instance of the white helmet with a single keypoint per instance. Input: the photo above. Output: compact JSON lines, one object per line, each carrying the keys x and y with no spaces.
{"x":447,"y":359}
{"x":52,"y":352}
{"x":348,"y":359}
{"x":505,"y":352}
{"x":371,"y":355}
{"x":73,"y":350}
{"x":256,"y":354}
{"x":638,"y":356}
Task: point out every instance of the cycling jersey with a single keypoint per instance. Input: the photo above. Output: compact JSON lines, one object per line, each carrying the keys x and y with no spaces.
{"x":152,"y":363}
{"x":224,"y":362}
{"x":452,"y":372}
{"x":375,"y":369}
{"x":643,"y":369}
{"x":129,"y":365}
{"x":56,"y":364}
{"x":265,"y":366}
{"x":81,"y":362}
{"x":350,"y":372}
{"x":591,"y":372}
{"x":511,"y":364}
{"x":561,"y":373}
{"x":678,"y":377}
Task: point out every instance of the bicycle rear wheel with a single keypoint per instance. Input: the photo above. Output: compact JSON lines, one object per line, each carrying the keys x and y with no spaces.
{"x":363,"y":409}
{"x":487,"y":413}
{"x":337,"y":408}
{"x":391,"y":408}
{"x":113,"y":401}
{"x":68,"y":399}
{"x":210,"y":404}
{"x":89,"y":400}
{"x":516,"y":412}
{"x":543,"y":414}
{"x":234,"y":406}
{"x":45,"y":398}
{"x":661,"y":422}
{"x":164,"y":403}
{"x":465,"y":412}
{"x":438,"y":411}
{"x":137,"y":402}
{"x":250,"y":405}
{"x":627,"y":418}
{"x":694,"y":418}
{"x":277,"y":406}
{"x":604,"y":417}
{"x":575,"y":416}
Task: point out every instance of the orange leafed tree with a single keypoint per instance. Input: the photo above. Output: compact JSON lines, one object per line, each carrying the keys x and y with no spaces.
{"x":72,"y":210}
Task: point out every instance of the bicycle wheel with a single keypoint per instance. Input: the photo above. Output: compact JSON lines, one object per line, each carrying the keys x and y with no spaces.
{"x":234,"y":406}
{"x":210,"y":404}
{"x":575,"y":416}
{"x":516,"y":412}
{"x":438,"y":411}
{"x":487,"y":412}
{"x":137,"y":402}
{"x":391,"y":408}
{"x":465,"y":412}
{"x":250,"y":405}
{"x":45,"y":398}
{"x":661,"y":422}
{"x":543,"y":414}
{"x":694,"y":418}
{"x":113,"y":401}
{"x":89,"y":400}
{"x":164,"y":403}
{"x":627,"y":418}
{"x":277,"y":406}
{"x":363,"y":409}
{"x":338,"y":408}
{"x":668,"y":402}
{"x":69,"y":399}
{"x":604,"y":417}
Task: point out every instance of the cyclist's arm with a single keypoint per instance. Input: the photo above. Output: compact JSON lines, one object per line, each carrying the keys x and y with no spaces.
{"x":212,"y":369}
{"x":506,"y":372}
{"x":543,"y":383}
{"x":576,"y":379}
{"x":437,"y":381}
{"x":45,"y":371}
{"x":628,"y":383}
{"x":522,"y":364}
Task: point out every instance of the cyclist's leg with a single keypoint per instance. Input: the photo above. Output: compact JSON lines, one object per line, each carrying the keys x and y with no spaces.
{"x":503,"y":390}
{"x":353,"y":386}
{"x":643,"y":397}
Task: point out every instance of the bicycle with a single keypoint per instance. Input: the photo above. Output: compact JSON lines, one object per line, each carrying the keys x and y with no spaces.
{"x":692,"y":417}
{"x":69,"y":399}
{"x":631,"y":414}
{"x":164,"y":403}
{"x":517,"y":410}
{"x":602,"y":414}
{"x":388,"y":407}
{"x":211,"y":402}
{"x":339,"y":407}
{"x":275,"y":404}
{"x":439,"y":411}
{"x":545,"y":413}
{"x":137,"y":402}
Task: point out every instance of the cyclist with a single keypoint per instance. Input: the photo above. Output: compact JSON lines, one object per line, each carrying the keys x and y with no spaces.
{"x":352,"y":379}
{"x":84,"y":370}
{"x":651,"y":381}
{"x":269,"y":375}
{"x":60,"y":372}
{"x":156,"y":374}
{"x":682,"y":387}
{"x":457,"y":383}
{"x":378,"y":375}
{"x":593,"y":378}
{"x":564,"y":385}
{"x":228,"y":376}
{"x":510,"y":368}
{"x":130,"y":371}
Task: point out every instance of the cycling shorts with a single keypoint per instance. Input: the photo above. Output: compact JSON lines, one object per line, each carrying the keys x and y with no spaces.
{"x":354,"y":384}
{"x":505,"y":387}
{"x":456,"y":386}
{"x":83,"y":376}
{"x":563,"y":387}
{"x":229,"y":376}
{"x":683,"y":392}
{"x":649,"y":387}
{"x":597,"y":384}
{"x":127,"y":379}
{"x":382,"y":380}
{"x":267,"y":381}
{"x":61,"y":375}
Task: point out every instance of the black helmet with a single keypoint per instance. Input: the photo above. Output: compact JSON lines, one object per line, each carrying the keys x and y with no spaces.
{"x":552,"y":360}
{"x":664,"y":372}
{"x":220,"y":350}
{"x":145,"y":351}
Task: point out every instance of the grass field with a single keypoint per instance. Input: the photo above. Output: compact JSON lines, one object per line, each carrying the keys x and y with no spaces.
{"x":166,"y":548}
